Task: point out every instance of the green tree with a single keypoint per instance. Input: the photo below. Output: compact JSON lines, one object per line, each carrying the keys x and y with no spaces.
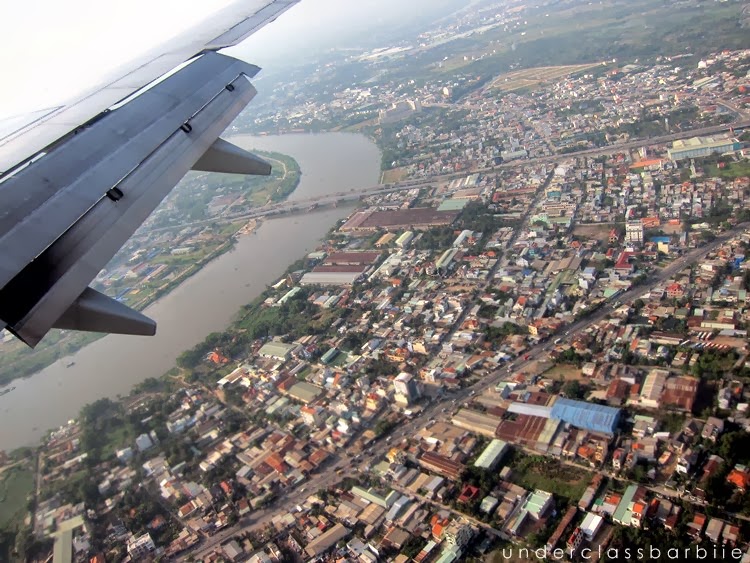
{"x":734,"y":447}
{"x":574,"y":390}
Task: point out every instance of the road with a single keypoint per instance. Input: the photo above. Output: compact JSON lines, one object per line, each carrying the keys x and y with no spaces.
{"x":437,"y":407}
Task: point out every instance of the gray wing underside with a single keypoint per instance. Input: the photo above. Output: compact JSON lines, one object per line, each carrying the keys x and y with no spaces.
{"x":81,"y":178}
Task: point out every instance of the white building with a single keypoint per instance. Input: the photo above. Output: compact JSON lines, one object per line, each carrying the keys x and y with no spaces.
{"x":634,"y":233}
{"x":591,"y":525}
{"x":139,"y":547}
{"x":405,"y":238}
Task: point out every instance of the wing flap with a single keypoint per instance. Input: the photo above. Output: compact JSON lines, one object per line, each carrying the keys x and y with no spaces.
{"x":95,"y":312}
{"x":223,"y":156}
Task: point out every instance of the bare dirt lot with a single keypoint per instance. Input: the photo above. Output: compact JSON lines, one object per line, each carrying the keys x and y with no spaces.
{"x":394,"y":175}
{"x":531,"y":77}
{"x":672,"y":229}
{"x":597,"y":231}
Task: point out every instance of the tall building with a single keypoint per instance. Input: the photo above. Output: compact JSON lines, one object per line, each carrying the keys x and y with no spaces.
{"x":458,"y":533}
{"x":406,"y":385}
{"x":634,"y":233}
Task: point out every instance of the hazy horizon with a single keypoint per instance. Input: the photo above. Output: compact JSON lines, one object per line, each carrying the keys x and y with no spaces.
{"x":81,"y":46}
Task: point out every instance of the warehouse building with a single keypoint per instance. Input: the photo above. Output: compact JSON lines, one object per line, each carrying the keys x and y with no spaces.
{"x":535,"y":426}
{"x":352,"y":258}
{"x":373,"y":497}
{"x":535,"y":506}
{"x":404,"y":240}
{"x":591,"y":525}
{"x":398,"y":506}
{"x":446,"y":258}
{"x":531,"y":426}
{"x":329,"y":356}
{"x":492,"y":454}
{"x":587,"y":416}
{"x":305,"y":392}
{"x":346,"y":277}
{"x":475,"y":421}
{"x":442,"y":465}
{"x":702,"y":146}
{"x":278,"y":350}
{"x":326,"y":541}
{"x":397,"y":219}
{"x":453,"y":205}
{"x":386,"y":239}
{"x":538,"y":503}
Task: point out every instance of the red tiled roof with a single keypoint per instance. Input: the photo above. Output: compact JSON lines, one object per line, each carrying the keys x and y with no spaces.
{"x":647,"y":162}
{"x":740,"y":479}
{"x":469,"y":493}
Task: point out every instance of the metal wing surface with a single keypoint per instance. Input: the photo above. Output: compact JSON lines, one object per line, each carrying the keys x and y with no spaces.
{"x":77,"y":180}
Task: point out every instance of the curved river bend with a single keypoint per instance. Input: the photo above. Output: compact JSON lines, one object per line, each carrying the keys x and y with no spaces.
{"x":330,"y":163}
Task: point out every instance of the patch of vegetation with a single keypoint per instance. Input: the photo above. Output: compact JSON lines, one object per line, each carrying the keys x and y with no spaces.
{"x":497,"y":334}
{"x":15,"y":486}
{"x":712,"y":364}
{"x":730,"y":171}
{"x":384,"y":426}
{"x":545,"y":473}
{"x":297,"y":317}
{"x":284,"y":179}
{"x":673,"y":422}
{"x":634,"y":539}
{"x":570,"y":356}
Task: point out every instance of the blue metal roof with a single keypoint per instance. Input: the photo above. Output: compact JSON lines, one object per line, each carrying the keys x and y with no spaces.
{"x":588,"y":416}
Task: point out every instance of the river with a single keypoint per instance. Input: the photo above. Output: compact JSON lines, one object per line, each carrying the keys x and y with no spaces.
{"x":330,"y":163}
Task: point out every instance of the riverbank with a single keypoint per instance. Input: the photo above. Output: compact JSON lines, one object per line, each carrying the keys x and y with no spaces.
{"x":22,"y":362}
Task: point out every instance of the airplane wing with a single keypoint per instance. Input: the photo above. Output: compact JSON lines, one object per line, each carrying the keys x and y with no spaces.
{"x":77,"y":180}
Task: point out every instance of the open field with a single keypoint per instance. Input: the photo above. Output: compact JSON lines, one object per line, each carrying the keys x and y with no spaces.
{"x":531,"y":77}
{"x":564,"y":372}
{"x":599,"y":231}
{"x":730,"y":171}
{"x":15,"y":485}
{"x":393,"y":175}
{"x":537,"y":366}
{"x":357,"y":127}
